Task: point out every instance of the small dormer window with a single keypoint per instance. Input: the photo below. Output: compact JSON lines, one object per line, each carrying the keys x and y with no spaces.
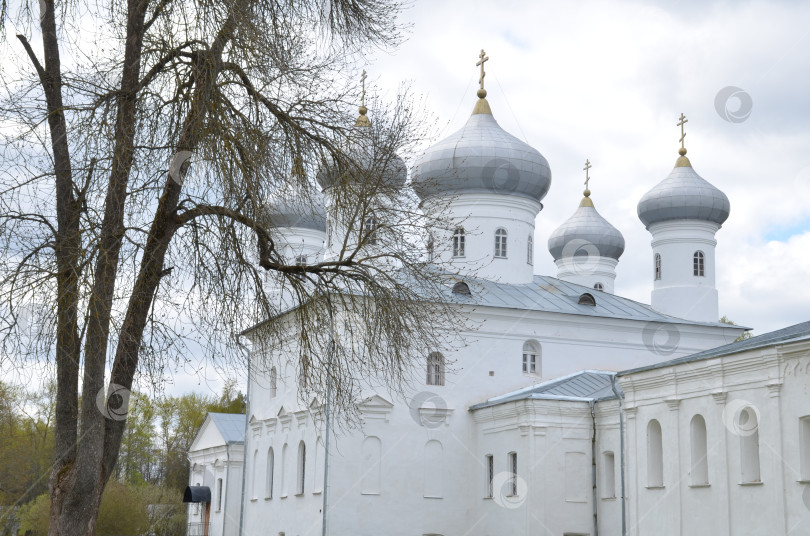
{"x":599,"y":286}
{"x":461,"y":288}
{"x":587,"y":299}
{"x":500,"y":243}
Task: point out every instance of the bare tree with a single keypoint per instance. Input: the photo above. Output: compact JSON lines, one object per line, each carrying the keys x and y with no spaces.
{"x":141,"y":143}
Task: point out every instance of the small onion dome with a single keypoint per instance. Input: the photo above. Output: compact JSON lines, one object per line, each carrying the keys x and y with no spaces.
{"x":586,"y":233}
{"x":481,"y":158}
{"x":683,"y":195}
{"x":287,"y":211}
{"x":367,"y":157}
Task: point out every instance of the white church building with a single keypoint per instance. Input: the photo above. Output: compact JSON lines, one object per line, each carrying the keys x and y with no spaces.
{"x":571,"y":411}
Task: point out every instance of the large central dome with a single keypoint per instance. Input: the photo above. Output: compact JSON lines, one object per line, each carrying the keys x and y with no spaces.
{"x":482,"y":158}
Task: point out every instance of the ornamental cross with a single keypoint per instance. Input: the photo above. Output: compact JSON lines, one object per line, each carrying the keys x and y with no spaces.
{"x":363,"y":94}
{"x":483,"y":57}
{"x":586,"y":168}
{"x":680,"y":123}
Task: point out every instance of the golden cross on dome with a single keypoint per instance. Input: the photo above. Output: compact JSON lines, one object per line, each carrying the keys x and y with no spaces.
{"x":680,"y":123}
{"x":363,"y":94}
{"x":483,"y":57}
{"x":587,"y":175}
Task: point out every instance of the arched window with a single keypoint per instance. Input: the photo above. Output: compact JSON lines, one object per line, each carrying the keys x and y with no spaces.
{"x":698,"y":264}
{"x":598,"y":286}
{"x":273,"y":388}
{"x":284,"y":471}
{"x":219,"y":494}
{"x":530,"y":250}
{"x":302,"y":468}
{"x":748,"y":426}
{"x":500,"y":243}
{"x":253,"y":485}
{"x":531,"y":357}
{"x":512,"y":484}
{"x":700,"y":461}
{"x":655,"y":455}
{"x":268,"y":485}
{"x":657,"y":266}
{"x":369,"y":230}
{"x":371,"y":456}
{"x":435,"y":369}
{"x":434,"y":469}
{"x":458,"y":242}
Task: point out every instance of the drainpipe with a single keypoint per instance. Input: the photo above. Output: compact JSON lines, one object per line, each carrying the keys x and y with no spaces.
{"x":592,"y":403}
{"x":245,"y":442}
{"x":621,"y":457}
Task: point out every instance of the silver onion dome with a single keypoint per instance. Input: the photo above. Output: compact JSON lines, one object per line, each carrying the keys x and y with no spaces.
{"x":683,"y":195}
{"x":586,"y":232}
{"x":366,"y":159}
{"x":481,"y":157}
{"x":294,"y":211}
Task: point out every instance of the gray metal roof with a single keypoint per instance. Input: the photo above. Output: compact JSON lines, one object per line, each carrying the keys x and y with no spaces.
{"x":795,"y":333}
{"x":367,"y":158}
{"x":586,"y":233}
{"x":683,"y":195}
{"x":481,"y":157}
{"x":553,"y":295}
{"x":230,"y":425}
{"x":290,"y":211}
{"x":584,"y":386}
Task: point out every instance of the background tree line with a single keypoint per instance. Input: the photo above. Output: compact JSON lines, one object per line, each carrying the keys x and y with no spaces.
{"x":145,"y":493}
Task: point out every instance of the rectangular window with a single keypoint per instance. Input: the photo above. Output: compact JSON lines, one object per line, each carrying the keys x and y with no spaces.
{"x":458,"y":243}
{"x":490,"y":463}
{"x":529,"y":363}
{"x":804,"y":447}
{"x":608,"y":475}
{"x":512,"y":464}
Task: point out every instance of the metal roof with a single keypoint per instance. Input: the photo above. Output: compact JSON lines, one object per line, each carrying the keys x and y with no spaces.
{"x":795,"y":333}
{"x":230,"y":425}
{"x":548,"y":294}
{"x":586,"y":233}
{"x":584,"y":386}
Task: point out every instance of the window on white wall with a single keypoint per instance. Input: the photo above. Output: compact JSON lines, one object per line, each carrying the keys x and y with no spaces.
{"x":804,"y":447}
{"x":511,"y":463}
{"x":698,"y":264}
{"x":531,"y":357}
{"x":253,"y":485}
{"x":458,"y":242}
{"x":700,"y":453}
{"x":748,"y":425}
{"x":657,"y":266}
{"x":489,"y":462}
{"x":430,"y":248}
{"x":268,"y":486}
{"x":219,"y":494}
{"x":369,"y":230}
{"x":435,"y":369}
{"x":598,"y":286}
{"x":434,"y":470}
{"x":655,"y":455}
{"x":500,"y":243}
{"x":530,"y":250}
{"x":371,"y":456}
{"x":284,"y":471}
{"x":273,"y":382}
{"x":608,"y":475}
{"x":302,"y":468}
